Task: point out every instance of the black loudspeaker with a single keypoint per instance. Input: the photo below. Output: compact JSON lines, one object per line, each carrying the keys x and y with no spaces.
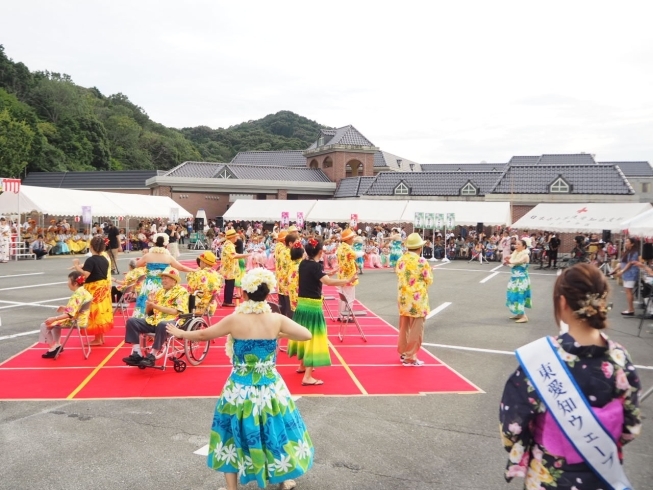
{"x":647,"y":251}
{"x":479,"y":228}
{"x":198,"y":224}
{"x":219,"y":222}
{"x":606,"y":236}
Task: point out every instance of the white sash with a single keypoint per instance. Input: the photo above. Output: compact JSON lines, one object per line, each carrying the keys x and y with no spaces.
{"x":567,"y":405}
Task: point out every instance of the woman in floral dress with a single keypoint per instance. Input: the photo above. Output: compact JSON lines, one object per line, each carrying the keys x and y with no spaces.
{"x":395,"y":247}
{"x":257,"y":432}
{"x":604,"y":374}
{"x":518,"y":295}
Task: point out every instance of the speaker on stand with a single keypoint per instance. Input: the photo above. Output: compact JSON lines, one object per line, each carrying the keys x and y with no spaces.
{"x":479,"y":228}
{"x":606,"y":236}
{"x":647,"y":251}
{"x":198,"y":225}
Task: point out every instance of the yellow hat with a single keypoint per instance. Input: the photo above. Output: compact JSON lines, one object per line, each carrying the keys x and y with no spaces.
{"x":208,"y":258}
{"x":172,"y":273}
{"x":292,"y":229}
{"x":348,"y":234}
{"x":231,"y":232}
{"x":282,"y":236}
{"x":414,"y":241}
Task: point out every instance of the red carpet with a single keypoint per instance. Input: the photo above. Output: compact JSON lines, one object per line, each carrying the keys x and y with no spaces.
{"x":359,"y":368}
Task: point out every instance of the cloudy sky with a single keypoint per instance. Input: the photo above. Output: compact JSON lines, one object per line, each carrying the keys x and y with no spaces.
{"x":432,"y":81}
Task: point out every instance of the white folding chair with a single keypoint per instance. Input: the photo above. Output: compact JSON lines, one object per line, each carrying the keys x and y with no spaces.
{"x":347,"y":317}
{"x":327,"y":308}
{"x":83,"y":339}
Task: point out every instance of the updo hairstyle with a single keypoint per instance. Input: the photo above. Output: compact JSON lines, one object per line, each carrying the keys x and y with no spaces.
{"x":296,"y":252}
{"x":160,"y":241}
{"x":97,"y":244}
{"x":260,"y":294}
{"x":313,"y":247}
{"x":76,"y":277}
{"x":585,"y":290}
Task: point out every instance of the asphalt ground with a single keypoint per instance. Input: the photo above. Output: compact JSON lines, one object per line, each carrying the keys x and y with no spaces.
{"x":445,"y":441}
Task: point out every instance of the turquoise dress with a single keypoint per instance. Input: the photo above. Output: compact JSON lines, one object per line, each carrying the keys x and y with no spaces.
{"x":257,"y":431}
{"x":518,"y":295}
{"x":395,"y":252}
{"x":151,"y":284}
{"x":360,"y":255}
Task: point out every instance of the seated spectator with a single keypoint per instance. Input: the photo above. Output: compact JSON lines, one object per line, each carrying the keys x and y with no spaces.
{"x":51,"y":328}
{"x":579,"y":252}
{"x":385,"y":256}
{"x":38,"y":247}
{"x":373,"y":254}
{"x":427,"y":251}
{"x":131,"y":277}
{"x":203,"y":283}
{"x":162,"y":308}
{"x":438,"y":247}
{"x":477,"y":251}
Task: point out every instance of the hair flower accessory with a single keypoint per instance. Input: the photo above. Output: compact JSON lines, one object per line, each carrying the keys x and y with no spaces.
{"x":591,"y":305}
{"x":313,"y":242}
{"x":80,"y":280}
{"x":297,"y":244}
{"x":254,"y":278}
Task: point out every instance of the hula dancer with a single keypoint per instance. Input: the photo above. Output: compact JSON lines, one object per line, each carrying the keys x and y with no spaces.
{"x":314,"y":352}
{"x":518,"y":295}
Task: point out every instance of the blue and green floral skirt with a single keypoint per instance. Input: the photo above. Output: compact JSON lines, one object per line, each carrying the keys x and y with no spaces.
{"x":518,"y":295}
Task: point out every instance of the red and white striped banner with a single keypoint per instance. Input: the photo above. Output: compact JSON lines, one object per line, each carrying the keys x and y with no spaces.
{"x":11,"y":185}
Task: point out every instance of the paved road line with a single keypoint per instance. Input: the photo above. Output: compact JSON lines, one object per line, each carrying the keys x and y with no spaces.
{"x":21,"y":275}
{"x":438,"y":310}
{"x":489,"y":277}
{"x":493,"y":351}
{"x":34,"y":286}
{"x":14,"y":304}
{"x":500,"y":272}
{"x":14,"y":335}
{"x":497,"y":268}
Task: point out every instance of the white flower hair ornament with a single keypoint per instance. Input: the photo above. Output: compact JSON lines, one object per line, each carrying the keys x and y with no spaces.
{"x":254,"y":278}
{"x":592,"y":304}
{"x":165,"y":236}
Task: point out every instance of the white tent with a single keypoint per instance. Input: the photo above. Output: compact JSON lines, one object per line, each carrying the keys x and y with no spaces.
{"x":368,"y":211}
{"x":585,"y":218}
{"x":466,"y":212}
{"x":69,"y":202}
{"x":640,"y":226}
{"x":268,"y":210}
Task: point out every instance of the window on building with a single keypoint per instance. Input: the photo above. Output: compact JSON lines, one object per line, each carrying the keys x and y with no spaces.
{"x":402,"y":189}
{"x":646,"y":187}
{"x":224,"y":174}
{"x":559,"y":187}
{"x":468,"y":190}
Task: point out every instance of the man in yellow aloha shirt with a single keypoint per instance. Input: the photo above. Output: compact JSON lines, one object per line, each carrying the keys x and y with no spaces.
{"x":229,"y":268}
{"x":283,"y":274}
{"x":163,"y":307}
{"x":204,"y":283}
{"x":415,"y":276}
{"x":346,"y":257}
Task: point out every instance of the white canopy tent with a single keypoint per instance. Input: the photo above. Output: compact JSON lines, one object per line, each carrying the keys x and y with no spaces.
{"x":69,"y":202}
{"x":640,"y":226}
{"x":466,"y":212}
{"x":368,"y":211}
{"x":583,"y":218}
{"x":268,"y":210}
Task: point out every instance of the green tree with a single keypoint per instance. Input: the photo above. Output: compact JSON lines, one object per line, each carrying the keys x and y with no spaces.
{"x":16,"y":143}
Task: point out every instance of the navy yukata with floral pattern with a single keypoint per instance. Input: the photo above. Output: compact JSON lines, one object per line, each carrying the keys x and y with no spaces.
{"x":604,"y":375}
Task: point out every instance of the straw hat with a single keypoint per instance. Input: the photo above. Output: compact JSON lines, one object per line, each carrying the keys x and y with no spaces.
{"x":282,"y":236}
{"x":172,"y":273}
{"x":208,"y":258}
{"x":414,"y":241}
{"x":348,"y":234}
{"x":230,"y":233}
{"x":292,"y":229}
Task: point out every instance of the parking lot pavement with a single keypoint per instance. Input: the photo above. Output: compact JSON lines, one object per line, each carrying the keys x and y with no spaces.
{"x":445,"y":441}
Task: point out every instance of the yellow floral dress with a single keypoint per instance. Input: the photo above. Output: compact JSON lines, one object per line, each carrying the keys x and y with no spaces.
{"x":229,"y":268}
{"x":293,"y":283}
{"x":131,"y":277}
{"x":415,"y":276}
{"x":283,"y":270}
{"x":176,"y":297}
{"x":208,"y":281}
{"x":76,"y":300}
{"x":346,"y":258}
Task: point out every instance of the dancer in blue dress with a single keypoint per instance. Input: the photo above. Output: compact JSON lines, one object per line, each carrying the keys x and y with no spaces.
{"x":395,"y":247}
{"x":257,"y":432}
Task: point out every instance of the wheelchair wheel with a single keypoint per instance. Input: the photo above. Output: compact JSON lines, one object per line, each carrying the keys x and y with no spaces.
{"x":179,"y":366}
{"x":196,"y":351}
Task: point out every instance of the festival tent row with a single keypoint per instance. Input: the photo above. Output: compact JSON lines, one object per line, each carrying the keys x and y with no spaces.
{"x":68,"y":202}
{"x":370,"y":211}
{"x":581,"y":218}
{"x":640,"y":226}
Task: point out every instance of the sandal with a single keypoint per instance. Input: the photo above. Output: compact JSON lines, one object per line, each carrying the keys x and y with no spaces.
{"x":287,"y":485}
{"x":317,"y":382}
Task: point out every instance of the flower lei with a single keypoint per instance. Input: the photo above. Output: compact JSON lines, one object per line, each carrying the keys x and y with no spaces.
{"x":591,"y":305}
{"x":159,"y":250}
{"x":247,"y":308}
{"x":254,"y":278}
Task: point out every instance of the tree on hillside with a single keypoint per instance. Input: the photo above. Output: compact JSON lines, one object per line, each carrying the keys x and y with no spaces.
{"x":16,"y":142}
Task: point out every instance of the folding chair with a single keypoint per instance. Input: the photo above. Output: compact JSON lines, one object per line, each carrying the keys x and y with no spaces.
{"x":128,"y":295}
{"x":275,"y":309}
{"x":86,"y":346}
{"x":327,"y":308}
{"x":349,"y":314}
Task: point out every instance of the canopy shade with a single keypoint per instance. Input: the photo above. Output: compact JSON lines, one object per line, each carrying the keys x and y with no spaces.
{"x":69,"y":202}
{"x":641,"y":225}
{"x":368,"y":211}
{"x":466,"y":212}
{"x":268,"y":210}
{"x":584,"y":218}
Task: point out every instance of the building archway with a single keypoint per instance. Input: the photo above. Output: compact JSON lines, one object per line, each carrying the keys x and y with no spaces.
{"x":354,"y":168}
{"x":327,"y":163}
{"x":314,"y":164}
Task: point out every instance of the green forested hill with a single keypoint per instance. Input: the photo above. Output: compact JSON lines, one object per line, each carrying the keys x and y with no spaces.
{"x":47,"y":123}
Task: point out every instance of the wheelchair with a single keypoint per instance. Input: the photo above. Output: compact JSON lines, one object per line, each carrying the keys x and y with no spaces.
{"x":175,"y":349}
